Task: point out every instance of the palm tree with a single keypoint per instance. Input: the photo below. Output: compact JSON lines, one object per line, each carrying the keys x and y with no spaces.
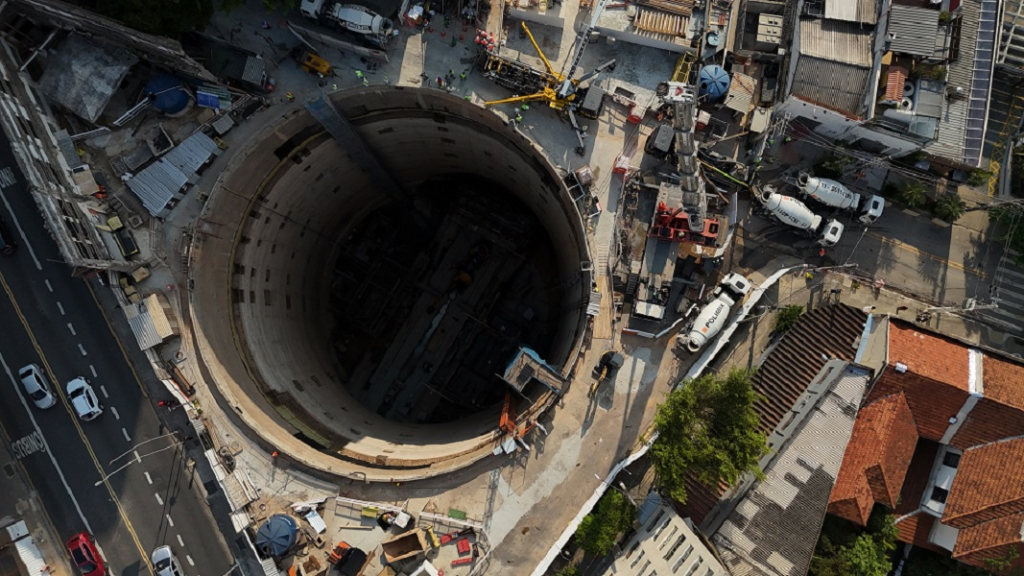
{"x":950,"y":207}
{"x":913,"y":195}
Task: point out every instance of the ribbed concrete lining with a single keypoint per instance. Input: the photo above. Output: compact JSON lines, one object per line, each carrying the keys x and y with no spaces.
{"x":290,"y":240}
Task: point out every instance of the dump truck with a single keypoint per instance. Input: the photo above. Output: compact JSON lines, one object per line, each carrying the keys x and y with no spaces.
{"x":357,"y":19}
{"x":712,"y":317}
{"x":832,"y":193}
{"x":795,"y":213}
{"x":406,"y":545}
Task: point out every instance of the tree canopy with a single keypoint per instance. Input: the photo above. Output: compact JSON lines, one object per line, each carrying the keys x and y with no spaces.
{"x":708,"y":427}
{"x":168,"y":18}
{"x":597,"y":531}
{"x":865,"y":554}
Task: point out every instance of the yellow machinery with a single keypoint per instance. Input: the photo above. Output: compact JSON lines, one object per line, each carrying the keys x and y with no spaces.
{"x":550,"y":81}
{"x":316,"y":65}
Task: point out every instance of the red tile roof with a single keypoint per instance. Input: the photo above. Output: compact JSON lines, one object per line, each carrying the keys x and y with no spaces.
{"x":1003,"y":381}
{"x":988,"y":484}
{"x":928,"y":355}
{"x":918,"y":474}
{"x":876,"y":460}
{"x":986,"y":499}
{"x":916,"y":529}
{"x":988,"y":535}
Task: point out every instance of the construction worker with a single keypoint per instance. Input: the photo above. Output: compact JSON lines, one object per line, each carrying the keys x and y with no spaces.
{"x":519,"y":118}
{"x":359,"y":74}
{"x":334,"y":86}
{"x":289,"y":96}
{"x":525,"y":106}
{"x":440,"y":82}
{"x":462,"y":76}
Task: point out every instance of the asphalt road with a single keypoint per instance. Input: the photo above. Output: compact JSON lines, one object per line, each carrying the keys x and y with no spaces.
{"x":123,"y":476}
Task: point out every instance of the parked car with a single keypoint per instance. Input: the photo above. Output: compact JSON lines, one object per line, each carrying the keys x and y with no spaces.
{"x":85,"y":555}
{"x":165,"y":562}
{"x":37,"y":386}
{"x":83,"y":399}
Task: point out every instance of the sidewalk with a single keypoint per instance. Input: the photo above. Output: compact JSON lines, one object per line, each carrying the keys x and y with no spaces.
{"x":37,"y":545}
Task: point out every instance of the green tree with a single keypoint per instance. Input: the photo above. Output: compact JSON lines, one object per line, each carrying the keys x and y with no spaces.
{"x":950,"y":207}
{"x":168,"y":18}
{"x":568,"y":570}
{"x":597,"y":531}
{"x":868,"y":554}
{"x":977,"y":177}
{"x":708,"y":427}
{"x":1010,"y":216}
{"x":913,"y":195}
{"x":1005,"y":564}
{"x":944,"y":17}
{"x":788,"y":317}
{"x":830,"y":166}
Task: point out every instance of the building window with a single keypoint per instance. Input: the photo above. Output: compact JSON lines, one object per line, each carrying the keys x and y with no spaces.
{"x":939,"y":494}
{"x":951,"y":459}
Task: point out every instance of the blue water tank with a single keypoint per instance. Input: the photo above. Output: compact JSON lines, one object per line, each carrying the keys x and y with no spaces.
{"x":277,"y":535}
{"x":713,"y":83}
{"x":168,"y":94}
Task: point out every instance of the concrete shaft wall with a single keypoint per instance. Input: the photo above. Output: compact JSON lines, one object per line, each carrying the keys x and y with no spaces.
{"x":281,"y":222}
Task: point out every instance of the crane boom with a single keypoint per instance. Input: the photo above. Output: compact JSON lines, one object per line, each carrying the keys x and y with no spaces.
{"x":568,"y":86}
{"x":684,"y":120}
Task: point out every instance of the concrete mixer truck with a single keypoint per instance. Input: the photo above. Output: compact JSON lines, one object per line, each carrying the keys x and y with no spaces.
{"x":832,"y":193}
{"x":795,"y":213}
{"x":713,"y":316}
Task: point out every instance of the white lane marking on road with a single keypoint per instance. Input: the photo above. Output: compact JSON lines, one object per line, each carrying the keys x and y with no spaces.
{"x":189,"y":558}
{"x":82,"y":349}
{"x":126,"y":436}
{"x":50,"y":288}
{"x":61,"y":308}
{"x":169,"y":521}
{"x":28,"y":244}
{"x":93,"y":370}
{"x":72,"y":328}
{"x":103,"y":390}
{"x":137,"y":457}
{"x":180,"y":541}
{"x":116,"y":415}
{"x":159,"y":500}
{"x":53,"y":459}
{"x":148,"y":479}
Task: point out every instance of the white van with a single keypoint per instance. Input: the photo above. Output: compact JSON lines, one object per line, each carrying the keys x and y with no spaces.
{"x":37,"y":386}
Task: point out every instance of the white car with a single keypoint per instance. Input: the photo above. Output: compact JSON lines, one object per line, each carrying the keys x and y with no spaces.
{"x":165,"y":563}
{"x":83,"y":399}
{"x":37,"y":386}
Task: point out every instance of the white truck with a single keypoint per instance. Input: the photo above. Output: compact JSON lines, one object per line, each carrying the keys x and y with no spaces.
{"x":712,"y":317}
{"x":795,"y":213}
{"x":832,"y":193}
{"x":352,"y":17}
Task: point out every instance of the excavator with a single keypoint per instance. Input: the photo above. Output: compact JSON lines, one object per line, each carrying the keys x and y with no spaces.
{"x":560,"y":91}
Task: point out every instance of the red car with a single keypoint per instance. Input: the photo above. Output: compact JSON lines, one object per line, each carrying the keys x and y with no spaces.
{"x":86,"y":556}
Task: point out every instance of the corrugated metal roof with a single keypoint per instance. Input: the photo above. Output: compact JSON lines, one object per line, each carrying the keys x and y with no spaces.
{"x":838,"y":41}
{"x":142,"y":317}
{"x":28,"y":552}
{"x":741,"y":93}
{"x":158,"y":183}
{"x":912,"y":30}
{"x":860,"y":11}
{"x":192,"y":153}
{"x":784,"y":512}
{"x":253,"y":71}
{"x":834,"y":85}
{"x":156,"y":186}
{"x":963,"y":118}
